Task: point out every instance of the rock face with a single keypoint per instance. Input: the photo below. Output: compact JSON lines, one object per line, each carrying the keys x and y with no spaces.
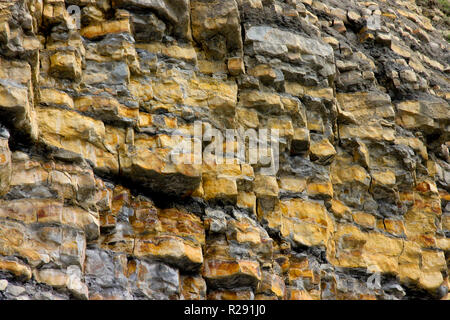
{"x":98,"y":202}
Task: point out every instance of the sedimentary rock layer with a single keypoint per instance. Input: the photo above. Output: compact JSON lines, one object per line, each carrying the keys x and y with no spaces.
{"x":96,"y":95}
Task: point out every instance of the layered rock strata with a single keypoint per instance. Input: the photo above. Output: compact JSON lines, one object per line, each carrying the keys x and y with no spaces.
{"x":95,"y":95}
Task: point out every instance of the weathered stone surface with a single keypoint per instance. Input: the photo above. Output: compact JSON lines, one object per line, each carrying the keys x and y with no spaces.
{"x":176,"y":12}
{"x":3,"y":284}
{"x":112,"y":184}
{"x":179,"y":243}
{"x":419,"y":115}
{"x":236,"y":66}
{"x":65,"y":65}
{"x":229,"y":274}
{"x":5,"y":166}
{"x":16,"y":93}
{"x":147,"y":27}
{"x":106,"y":109}
{"x":18,"y":269}
{"x":364,"y":106}
{"x":193,"y":288}
{"x":222,"y":189}
{"x":215,"y":25}
{"x":322,"y":150}
{"x":295,"y":42}
{"x":304,"y":222}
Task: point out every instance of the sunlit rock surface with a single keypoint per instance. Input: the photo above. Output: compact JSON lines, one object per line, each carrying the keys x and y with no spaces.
{"x":96,"y":202}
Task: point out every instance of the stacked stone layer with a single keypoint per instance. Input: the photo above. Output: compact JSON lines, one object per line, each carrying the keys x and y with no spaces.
{"x":93,"y":205}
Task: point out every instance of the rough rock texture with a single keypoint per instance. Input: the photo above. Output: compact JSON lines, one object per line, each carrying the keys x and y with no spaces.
{"x":93,"y":205}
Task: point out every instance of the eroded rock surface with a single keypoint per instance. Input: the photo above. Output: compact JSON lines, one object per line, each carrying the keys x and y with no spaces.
{"x":96,"y":204}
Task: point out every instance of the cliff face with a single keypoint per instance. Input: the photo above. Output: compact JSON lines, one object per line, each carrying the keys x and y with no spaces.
{"x":95,"y":95}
